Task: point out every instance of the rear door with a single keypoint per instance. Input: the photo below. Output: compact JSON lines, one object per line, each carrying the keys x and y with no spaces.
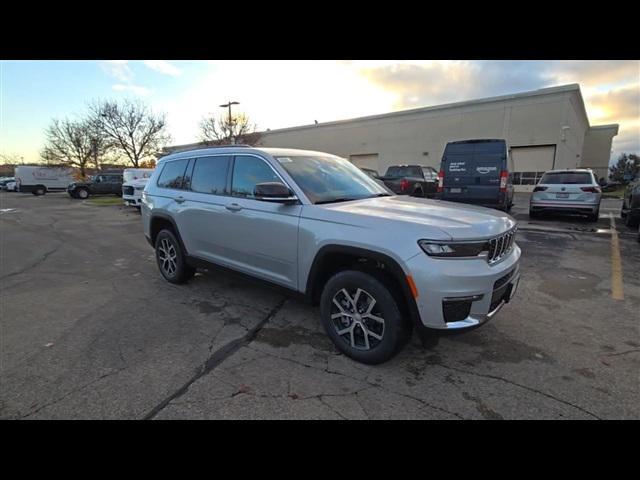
{"x":472,"y":172}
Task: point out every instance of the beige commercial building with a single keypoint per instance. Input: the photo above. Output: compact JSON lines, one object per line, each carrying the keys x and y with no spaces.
{"x":545,"y":129}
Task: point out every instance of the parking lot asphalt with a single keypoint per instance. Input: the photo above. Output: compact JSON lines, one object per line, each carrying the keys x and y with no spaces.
{"x":91,"y":330}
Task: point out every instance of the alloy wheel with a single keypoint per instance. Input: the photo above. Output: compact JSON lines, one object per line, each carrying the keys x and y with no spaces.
{"x":356,"y":318}
{"x":168,"y":257}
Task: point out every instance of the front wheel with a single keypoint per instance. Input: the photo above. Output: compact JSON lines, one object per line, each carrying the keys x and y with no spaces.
{"x":171,"y":259}
{"x":82,"y":193}
{"x":39,"y":190}
{"x":362,"y":318}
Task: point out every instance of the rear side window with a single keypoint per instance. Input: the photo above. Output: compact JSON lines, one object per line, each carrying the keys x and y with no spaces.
{"x":210,"y":175}
{"x":172,"y":174}
{"x":566,"y":178}
{"x":247,"y":173}
{"x":429,"y":174}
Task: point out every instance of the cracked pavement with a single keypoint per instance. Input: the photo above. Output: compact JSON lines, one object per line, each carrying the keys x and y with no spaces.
{"x":91,"y":330}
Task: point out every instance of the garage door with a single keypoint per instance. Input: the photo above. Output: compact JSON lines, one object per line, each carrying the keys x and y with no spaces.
{"x":369,"y":160}
{"x":530,"y":163}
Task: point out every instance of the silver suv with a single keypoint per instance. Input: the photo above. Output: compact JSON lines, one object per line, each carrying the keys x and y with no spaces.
{"x":378,"y":264}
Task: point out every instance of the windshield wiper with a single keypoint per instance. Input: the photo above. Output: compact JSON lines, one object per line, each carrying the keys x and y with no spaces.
{"x":336,"y":200}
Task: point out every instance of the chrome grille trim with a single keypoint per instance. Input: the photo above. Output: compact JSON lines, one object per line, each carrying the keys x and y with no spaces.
{"x":501,"y":246}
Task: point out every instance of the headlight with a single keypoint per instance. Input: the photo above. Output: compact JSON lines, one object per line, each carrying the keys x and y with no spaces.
{"x":453,"y":249}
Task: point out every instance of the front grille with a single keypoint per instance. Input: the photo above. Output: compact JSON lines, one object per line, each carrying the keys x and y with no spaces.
{"x":127,"y":190}
{"x":501,"y":245}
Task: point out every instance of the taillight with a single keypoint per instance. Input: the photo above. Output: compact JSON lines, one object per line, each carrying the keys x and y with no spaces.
{"x":503,"y":181}
{"x":591,"y":189}
{"x":440,"y":181}
{"x":540,"y":189}
{"x":404,"y":184}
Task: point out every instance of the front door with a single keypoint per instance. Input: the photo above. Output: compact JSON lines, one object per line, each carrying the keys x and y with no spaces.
{"x":260,"y":238}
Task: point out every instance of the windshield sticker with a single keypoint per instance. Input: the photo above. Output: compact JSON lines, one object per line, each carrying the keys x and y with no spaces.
{"x":284,"y":160}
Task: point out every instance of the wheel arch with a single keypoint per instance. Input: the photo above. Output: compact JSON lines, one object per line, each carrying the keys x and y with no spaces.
{"x":333,"y":258}
{"x":158,"y":222}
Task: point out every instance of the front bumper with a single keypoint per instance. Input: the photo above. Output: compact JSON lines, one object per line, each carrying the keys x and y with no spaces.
{"x":132,"y":200}
{"x":483,"y":289}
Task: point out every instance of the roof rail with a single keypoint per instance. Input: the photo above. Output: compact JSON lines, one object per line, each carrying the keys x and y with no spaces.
{"x":223,"y":146}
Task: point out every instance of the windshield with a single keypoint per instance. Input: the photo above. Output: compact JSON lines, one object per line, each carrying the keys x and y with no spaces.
{"x":330,"y":179}
{"x":566,"y":178}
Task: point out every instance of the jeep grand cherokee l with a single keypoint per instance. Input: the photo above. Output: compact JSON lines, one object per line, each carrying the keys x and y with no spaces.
{"x":378,"y":264}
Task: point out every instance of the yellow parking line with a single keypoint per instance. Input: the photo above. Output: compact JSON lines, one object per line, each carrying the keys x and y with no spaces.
{"x":617,"y":288}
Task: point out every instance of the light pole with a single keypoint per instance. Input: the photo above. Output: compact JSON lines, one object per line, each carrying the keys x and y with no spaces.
{"x":228,"y":105}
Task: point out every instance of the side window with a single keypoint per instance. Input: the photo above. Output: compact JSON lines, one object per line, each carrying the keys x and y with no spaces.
{"x":172,"y":173}
{"x":249,"y":171}
{"x":210,"y":175}
{"x":429,"y":174}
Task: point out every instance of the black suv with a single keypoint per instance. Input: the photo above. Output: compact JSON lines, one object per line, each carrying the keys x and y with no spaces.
{"x":103,"y":184}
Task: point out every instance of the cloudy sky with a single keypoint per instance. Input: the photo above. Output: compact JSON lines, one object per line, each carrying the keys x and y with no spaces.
{"x":278,"y":94}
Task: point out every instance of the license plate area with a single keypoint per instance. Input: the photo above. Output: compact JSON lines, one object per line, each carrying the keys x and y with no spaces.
{"x":455,"y":190}
{"x":562,"y":195}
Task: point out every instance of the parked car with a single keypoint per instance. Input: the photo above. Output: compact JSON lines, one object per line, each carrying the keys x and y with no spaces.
{"x":11,"y":186}
{"x":477,"y":172}
{"x":378,"y":264}
{"x":414,"y":180}
{"x":631,"y":204}
{"x":40,"y":180}
{"x":132,"y":192}
{"x":4,"y":181}
{"x":102,"y":184}
{"x":567,"y":191}
{"x":134,"y":180}
{"x":609,"y":186}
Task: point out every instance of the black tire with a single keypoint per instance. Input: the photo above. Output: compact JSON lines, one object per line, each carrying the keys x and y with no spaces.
{"x":594,"y":216}
{"x":39,"y":190}
{"x":177,"y":271}
{"x":418,"y":193}
{"x":533,"y":214}
{"x":394,"y":331}
{"x":631,"y":220}
{"x":81,"y":193}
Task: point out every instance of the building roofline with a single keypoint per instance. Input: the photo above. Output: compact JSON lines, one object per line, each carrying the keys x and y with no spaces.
{"x":606,"y":127}
{"x":532,"y":93}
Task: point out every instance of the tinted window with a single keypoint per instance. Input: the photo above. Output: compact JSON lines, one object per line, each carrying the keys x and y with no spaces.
{"x":403,"y":172}
{"x":249,"y":171}
{"x":210,"y":175}
{"x":565,"y":178}
{"x":172,"y":173}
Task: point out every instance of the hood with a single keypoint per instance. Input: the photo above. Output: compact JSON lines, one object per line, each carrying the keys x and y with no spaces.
{"x":458,"y":221}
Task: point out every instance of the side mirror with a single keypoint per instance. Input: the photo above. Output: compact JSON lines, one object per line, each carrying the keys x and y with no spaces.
{"x":274,"y":192}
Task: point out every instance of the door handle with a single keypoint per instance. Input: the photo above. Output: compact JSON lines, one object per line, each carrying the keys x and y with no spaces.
{"x":179,"y":199}
{"x":234,"y":207}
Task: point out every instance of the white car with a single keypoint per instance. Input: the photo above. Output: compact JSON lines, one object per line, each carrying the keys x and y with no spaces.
{"x":567,"y":191}
{"x":10,"y":186}
{"x":132,"y":192}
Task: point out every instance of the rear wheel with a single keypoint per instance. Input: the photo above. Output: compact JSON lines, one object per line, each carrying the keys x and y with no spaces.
{"x":171,"y":259}
{"x":82,"y":193}
{"x":362,"y":318}
{"x":630,"y":219}
{"x":594,"y":216}
{"x":418,"y":193}
{"x":39,"y":190}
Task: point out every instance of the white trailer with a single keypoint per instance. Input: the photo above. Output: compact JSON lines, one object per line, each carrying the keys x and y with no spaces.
{"x":40,"y":180}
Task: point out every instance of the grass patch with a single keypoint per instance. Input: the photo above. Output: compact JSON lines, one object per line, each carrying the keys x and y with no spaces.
{"x":617,"y":193}
{"x":105,"y":201}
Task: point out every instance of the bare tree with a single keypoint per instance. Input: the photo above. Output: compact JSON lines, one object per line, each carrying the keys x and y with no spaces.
{"x":11,"y":158}
{"x":131,"y":128}
{"x":224,"y":130}
{"x":72,"y":143}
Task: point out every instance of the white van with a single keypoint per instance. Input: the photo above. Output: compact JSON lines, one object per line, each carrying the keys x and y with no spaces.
{"x":134,"y":181}
{"x":40,"y":180}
